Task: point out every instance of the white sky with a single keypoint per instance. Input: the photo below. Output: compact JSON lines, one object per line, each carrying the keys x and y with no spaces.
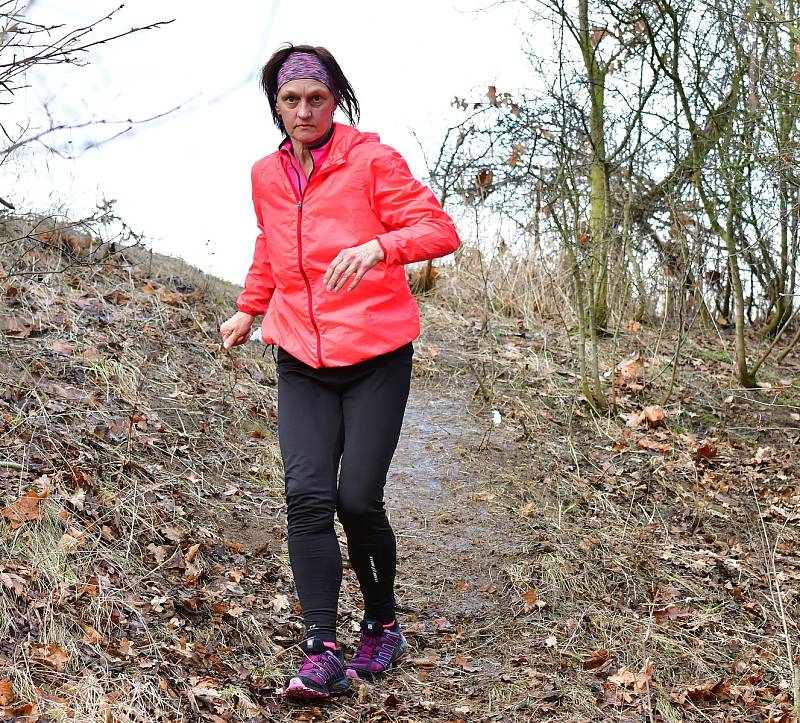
{"x":184,"y":180}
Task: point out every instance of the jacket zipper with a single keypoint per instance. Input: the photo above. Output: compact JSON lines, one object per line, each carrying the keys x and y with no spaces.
{"x":308,"y":283}
{"x":300,"y":259}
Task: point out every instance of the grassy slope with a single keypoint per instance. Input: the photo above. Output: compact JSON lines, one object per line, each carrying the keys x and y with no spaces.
{"x":150,"y":580}
{"x":143,"y":438}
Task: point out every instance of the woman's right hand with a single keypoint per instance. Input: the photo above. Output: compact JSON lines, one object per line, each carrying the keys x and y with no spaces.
{"x":236,"y":330}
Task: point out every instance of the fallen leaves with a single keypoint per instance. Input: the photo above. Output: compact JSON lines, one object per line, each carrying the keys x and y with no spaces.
{"x":706,"y":450}
{"x":466,"y":664}
{"x":652,"y":445}
{"x":670,"y":612}
{"x":676,"y":500}
{"x":25,"y":509}
{"x":68,"y":237}
{"x":7,"y":694}
{"x":20,"y":712}
{"x":426,"y":662}
{"x":177,"y":298}
{"x":653,"y":415}
{"x":596,"y":660}
{"x":628,"y":372}
{"x":710,"y":690}
{"x":71,"y":540}
{"x":205,"y":689}
{"x":12,"y":581}
{"x":625,"y":686}
{"x":637,"y":681}
{"x":90,"y":634}
{"x":164,"y":295}
{"x":633,"y":326}
{"x":443,"y":625}
{"x":50,"y":655}
{"x":762,"y":455}
{"x":752,"y":691}
{"x":16,"y":326}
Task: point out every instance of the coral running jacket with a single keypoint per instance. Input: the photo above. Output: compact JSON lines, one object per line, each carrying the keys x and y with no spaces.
{"x":363,"y":190}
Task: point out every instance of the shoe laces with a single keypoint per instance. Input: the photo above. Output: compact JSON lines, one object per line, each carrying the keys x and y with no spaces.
{"x":370,"y":645}
{"x":320,"y":664}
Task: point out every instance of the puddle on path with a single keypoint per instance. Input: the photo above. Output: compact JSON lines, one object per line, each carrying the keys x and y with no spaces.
{"x":452,"y":546}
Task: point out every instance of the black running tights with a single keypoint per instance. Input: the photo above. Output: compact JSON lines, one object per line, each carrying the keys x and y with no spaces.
{"x":340,"y":422}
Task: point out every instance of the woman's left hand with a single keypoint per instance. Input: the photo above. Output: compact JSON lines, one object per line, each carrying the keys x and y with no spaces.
{"x":355,"y":261}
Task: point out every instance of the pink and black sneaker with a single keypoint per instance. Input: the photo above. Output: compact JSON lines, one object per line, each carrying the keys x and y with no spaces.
{"x":380,"y":648}
{"x":321,"y":675}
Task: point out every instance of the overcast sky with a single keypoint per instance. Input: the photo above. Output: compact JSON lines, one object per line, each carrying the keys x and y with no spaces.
{"x":184,"y":180}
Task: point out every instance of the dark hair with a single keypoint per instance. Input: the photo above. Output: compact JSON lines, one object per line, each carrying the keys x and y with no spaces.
{"x":345,"y":95}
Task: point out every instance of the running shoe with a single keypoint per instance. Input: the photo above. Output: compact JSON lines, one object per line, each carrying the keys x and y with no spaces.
{"x":380,"y":648}
{"x":321,"y":674}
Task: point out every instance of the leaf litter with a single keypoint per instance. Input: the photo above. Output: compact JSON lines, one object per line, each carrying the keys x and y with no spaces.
{"x":551,"y":568}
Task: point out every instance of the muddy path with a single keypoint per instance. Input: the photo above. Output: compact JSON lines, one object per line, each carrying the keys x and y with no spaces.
{"x":458,"y":597}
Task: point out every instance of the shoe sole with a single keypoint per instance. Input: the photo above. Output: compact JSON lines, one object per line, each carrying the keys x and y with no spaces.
{"x":298,"y":690}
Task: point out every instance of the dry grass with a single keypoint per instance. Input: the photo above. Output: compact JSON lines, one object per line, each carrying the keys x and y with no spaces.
{"x":525,"y":289}
{"x":120,"y":406}
{"x":659,"y":556}
{"x":152,"y":442}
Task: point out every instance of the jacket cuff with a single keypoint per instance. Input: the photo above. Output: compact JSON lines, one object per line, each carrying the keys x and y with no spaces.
{"x":244,"y":308}
{"x":386,"y":258}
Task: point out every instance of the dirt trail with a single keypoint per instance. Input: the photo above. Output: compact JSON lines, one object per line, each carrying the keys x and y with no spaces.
{"x":459,"y":541}
{"x":454,"y":544}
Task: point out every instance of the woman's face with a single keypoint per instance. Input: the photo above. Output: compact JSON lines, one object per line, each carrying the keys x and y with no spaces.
{"x":306,"y":108}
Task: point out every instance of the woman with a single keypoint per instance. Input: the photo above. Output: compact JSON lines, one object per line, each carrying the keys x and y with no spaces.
{"x":339,"y":215}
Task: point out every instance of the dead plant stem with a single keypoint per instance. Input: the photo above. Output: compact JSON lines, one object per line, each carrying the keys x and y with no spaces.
{"x":792,"y":344}
{"x":777,"y":602}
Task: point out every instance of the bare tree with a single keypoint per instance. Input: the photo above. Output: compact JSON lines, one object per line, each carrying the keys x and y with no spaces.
{"x":656,"y":153}
{"x":27,"y":45}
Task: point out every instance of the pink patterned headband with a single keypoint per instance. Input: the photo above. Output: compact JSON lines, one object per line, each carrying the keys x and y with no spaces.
{"x":303,"y":65}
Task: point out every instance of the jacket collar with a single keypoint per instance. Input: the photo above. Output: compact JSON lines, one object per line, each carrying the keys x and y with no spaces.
{"x":319,"y":151}
{"x":343,"y":140}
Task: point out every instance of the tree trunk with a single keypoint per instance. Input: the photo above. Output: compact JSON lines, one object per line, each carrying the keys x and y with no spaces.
{"x":746,"y":378}
{"x":598,"y":180}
